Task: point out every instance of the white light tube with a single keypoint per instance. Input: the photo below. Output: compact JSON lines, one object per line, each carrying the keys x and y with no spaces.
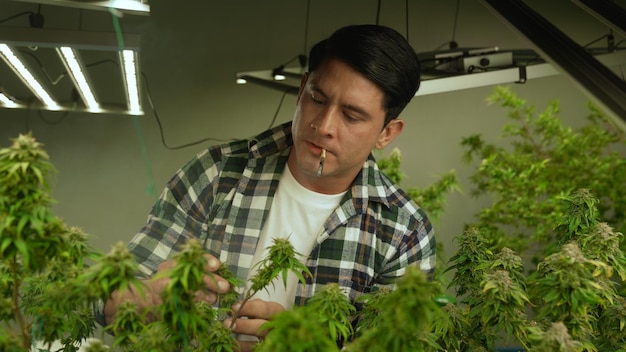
{"x":129,"y":71}
{"x":73,"y":65}
{"x":279,"y":77}
{"x":20,"y":69}
{"x":7,"y":102}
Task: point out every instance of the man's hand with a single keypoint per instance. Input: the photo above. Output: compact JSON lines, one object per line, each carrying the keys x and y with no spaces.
{"x":255,"y":312}
{"x":152,"y":288}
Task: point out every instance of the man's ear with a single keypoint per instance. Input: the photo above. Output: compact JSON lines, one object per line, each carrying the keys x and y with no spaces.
{"x":389,"y":133}
{"x":303,"y":80}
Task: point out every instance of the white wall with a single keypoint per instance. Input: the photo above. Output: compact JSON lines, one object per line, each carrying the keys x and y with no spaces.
{"x":191,"y":51}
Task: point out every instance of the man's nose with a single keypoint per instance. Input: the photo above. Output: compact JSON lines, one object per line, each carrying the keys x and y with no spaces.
{"x":327,"y":119}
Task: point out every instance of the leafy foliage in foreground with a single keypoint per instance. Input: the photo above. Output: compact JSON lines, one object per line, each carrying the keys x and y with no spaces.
{"x":47,"y":288}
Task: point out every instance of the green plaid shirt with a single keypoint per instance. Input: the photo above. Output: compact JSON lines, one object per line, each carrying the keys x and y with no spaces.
{"x":223,"y":196}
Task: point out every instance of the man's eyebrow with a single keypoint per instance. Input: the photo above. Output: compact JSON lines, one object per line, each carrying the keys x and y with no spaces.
{"x":357,"y":109}
{"x":317,"y":89}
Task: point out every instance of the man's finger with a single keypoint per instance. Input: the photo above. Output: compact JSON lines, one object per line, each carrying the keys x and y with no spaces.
{"x":212,"y":263}
{"x":247,"y":326}
{"x":216,"y":283}
{"x":258,"y":308}
{"x":208,"y":297}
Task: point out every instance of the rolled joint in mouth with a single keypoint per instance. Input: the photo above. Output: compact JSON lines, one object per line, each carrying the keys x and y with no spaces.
{"x":320,"y":168}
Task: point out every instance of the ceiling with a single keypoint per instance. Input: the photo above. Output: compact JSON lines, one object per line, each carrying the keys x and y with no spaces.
{"x":551,"y":52}
{"x":449,"y":61}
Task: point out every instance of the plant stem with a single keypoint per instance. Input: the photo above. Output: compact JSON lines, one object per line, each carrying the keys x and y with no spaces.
{"x":243,"y":303}
{"x":16,"y":306}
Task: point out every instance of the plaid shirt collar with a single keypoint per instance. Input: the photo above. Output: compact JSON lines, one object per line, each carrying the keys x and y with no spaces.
{"x":369,"y":185}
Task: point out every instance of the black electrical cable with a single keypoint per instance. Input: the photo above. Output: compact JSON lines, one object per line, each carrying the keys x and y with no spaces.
{"x":80,"y":20}
{"x":17,"y":15}
{"x":306,"y":27}
{"x":452,"y":44}
{"x":64,"y":73}
{"x":158,"y":120}
{"x":537,"y":58}
{"x":406,"y":18}
{"x":378,"y":12}
{"x":596,"y":40}
{"x":56,"y":122}
{"x":280,"y":103}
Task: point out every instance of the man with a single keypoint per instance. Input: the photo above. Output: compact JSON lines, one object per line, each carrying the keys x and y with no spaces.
{"x":312,"y":180}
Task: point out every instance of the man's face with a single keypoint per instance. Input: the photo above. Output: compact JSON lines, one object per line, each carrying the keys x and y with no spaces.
{"x":341,"y":111}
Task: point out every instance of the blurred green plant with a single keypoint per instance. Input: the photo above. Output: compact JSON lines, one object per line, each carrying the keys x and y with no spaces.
{"x":431,"y":199}
{"x":40,"y":256}
{"x":544,"y":160}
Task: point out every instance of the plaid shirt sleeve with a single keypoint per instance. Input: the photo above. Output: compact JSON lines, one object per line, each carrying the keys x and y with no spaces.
{"x":215,"y":199}
{"x":177,"y":215}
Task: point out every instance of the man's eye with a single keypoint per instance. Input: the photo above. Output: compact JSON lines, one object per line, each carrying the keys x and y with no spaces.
{"x":350,"y":118}
{"x":316,"y":101}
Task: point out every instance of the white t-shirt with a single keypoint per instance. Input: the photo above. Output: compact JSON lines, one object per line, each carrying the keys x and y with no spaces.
{"x":298,"y":214}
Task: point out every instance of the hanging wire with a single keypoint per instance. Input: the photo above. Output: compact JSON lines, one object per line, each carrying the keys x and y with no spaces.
{"x":406,"y":18}
{"x":80,"y":20}
{"x":609,"y":36}
{"x":306,"y":27}
{"x":452,"y":44}
{"x":51,"y":122}
{"x":456,"y":20}
{"x":161,"y":131}
{"x":150,"y":190}
{"x":53,"y":81}
{"x":378,"y":12}
{"x":280,"y":103}
{"x":16,"y":16}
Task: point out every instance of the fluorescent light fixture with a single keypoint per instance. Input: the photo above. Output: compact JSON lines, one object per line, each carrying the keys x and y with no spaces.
{"x":117,"y":7}
{"x":69,"y":46}
{"x":7,"y":102}
{"x":129,"y":60}
{"x":11,"y":58}
{"x":73,"y":65}
{"x":444,"y":84}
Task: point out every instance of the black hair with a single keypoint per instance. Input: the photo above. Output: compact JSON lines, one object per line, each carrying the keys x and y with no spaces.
{"x":381,"y":54}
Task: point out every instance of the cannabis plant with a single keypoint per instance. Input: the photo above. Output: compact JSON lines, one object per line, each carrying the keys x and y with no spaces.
{"x":431,"y":199}
{"x":50,"y":277}
{"x":572,"y":292}
{"x":542,"y":161}
{"x":39,"y":256}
